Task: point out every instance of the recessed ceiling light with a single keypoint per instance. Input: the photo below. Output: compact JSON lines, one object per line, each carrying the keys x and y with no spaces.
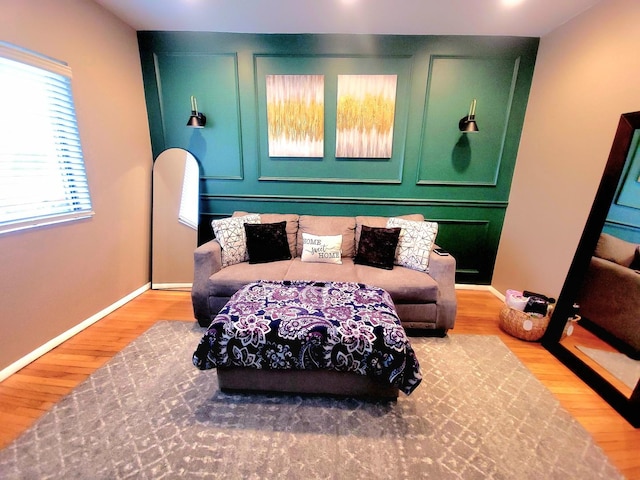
{"x":511,"y":3}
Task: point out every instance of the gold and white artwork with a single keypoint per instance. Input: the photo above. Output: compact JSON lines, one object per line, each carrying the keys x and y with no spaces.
{"x":295,"y":115}
{"x":365,"y":116}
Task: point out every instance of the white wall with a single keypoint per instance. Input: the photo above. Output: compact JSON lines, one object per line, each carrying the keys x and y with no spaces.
{"x":53,"y":278}
{"x":587,"y":74}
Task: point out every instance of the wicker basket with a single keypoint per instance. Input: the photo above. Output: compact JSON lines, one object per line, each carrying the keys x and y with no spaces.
{"x":526,"y":326}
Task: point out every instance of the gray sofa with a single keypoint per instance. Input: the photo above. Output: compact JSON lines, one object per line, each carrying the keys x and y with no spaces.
{"x":425,"y":301}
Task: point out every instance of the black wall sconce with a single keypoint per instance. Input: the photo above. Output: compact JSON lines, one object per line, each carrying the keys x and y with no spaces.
{"x":197,"y":119}
{"x":468,"y":124}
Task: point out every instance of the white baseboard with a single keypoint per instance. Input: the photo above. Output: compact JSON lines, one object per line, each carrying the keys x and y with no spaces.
{"x":171,"y":286}
{"x":51,"y":344}
{"x":497,"y":293}
{"x":484,"y":288}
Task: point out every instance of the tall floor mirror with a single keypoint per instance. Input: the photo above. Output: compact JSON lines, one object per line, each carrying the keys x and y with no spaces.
{"x":175,"y":219}
{"x":602,"y":343}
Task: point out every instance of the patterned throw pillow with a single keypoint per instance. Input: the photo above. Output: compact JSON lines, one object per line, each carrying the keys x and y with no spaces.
{"x":321,"y":249}
{"x":377,"y":247}
{"x":267,"y":242}
{"x":415,"y":243}
{"x":230,"y":234}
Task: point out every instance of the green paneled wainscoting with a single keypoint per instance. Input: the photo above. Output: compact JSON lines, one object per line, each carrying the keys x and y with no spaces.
{"x":460,"y":180}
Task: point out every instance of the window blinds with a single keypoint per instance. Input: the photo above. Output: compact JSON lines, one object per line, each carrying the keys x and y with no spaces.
{"x":42,"y":173}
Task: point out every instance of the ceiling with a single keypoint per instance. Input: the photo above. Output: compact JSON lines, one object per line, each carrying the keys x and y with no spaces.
{"x":529,"y":18}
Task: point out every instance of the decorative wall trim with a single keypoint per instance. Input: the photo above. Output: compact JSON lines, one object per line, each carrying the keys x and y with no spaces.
{"x":621,"y":225}
{"x":356,"y":200}
{"x":170,"y":123}
{"x":54,"y":342}
{"x":508,"y":107}
{"x":468,"y":271}
{"x":450,"y":183}
{"x":230,"y":177}
{"x":330,"y":180}
{"x":331,"y":65}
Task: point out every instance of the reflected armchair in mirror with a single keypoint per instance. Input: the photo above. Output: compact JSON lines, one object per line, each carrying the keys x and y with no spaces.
{"x":612,"y":313}
{"x":602,"y":279}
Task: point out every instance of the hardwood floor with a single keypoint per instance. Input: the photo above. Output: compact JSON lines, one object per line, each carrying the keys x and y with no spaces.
{"x":29,"y":393}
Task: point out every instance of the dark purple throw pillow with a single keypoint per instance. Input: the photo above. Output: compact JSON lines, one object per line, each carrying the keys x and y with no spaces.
{"x":267,"y":242}
{"x":377,"y":247}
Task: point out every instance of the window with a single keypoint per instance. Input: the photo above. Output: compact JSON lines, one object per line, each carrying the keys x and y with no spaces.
{"x":42,"y":174}
{"x":188,"y":212}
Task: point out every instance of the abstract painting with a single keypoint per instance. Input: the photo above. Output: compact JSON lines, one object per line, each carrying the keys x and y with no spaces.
{"x":365,"y":116}
{"x":295,"y":115}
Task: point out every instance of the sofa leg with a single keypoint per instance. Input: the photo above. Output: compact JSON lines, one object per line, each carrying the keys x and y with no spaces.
{"x":204,"y":323}
{"x":426,"y":332}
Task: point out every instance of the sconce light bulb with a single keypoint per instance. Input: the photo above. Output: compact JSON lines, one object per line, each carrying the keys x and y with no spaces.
{"x":197,"y":119}
{"x":468,"y":124}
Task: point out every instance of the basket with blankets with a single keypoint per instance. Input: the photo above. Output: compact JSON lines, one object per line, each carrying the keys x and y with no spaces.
{"x":526,"y":314}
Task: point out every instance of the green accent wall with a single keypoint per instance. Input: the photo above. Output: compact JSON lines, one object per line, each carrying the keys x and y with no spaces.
{"x":460,"y":180}
{"x":623,"y":218}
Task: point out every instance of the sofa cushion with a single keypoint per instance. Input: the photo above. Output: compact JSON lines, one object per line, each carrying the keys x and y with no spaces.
{"x":403,"y":284}
{"x":381,"y":222}
{"x":292,"y":225}
{"x":377,"y":247}
{"x":229,"y":280}
{"x":615,"y":250}
{"x":415,"y":244}
{"x":267,"y":242}
{"x":326,"y":225}
{"x":230,"y":234}
{"x":321,"y":248}
{"x":322,"y":272}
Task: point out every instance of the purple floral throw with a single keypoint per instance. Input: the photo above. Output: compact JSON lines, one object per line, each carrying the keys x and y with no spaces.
{"x":348,"y":327}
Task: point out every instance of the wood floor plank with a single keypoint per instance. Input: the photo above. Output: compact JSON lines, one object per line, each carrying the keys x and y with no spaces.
{"x":26,"y":395}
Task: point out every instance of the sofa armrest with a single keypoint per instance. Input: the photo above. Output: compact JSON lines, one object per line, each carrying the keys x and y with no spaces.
{"x":207,"y":261}
{"x":443,"y":270}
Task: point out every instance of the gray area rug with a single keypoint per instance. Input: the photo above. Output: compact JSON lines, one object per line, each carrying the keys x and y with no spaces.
{"x":625,"y":369}
{"x":149,"y":414}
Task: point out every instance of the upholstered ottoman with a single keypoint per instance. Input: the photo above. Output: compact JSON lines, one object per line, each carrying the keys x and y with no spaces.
{"x":335,"y":338}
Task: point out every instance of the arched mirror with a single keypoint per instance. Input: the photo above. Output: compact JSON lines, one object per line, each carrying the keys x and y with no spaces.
{"x":602,"y":343}
{"x":176,"y":177}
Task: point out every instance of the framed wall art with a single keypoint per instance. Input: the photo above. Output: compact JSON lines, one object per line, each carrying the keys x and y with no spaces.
{"x":295,"y":115}
{"x":365,"y":116}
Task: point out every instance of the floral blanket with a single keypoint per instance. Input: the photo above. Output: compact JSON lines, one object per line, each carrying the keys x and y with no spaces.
{"x":312,"y":325}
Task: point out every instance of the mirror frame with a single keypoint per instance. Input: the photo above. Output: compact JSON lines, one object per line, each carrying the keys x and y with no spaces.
{"x":628,"y":407}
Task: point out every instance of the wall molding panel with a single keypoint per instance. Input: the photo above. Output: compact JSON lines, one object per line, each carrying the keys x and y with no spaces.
{"x":466,"y":159}
{"x":463,"y":181}
{"x":217,"y":93}
{"x":330,"y":169}
{"x":329,"y":180}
